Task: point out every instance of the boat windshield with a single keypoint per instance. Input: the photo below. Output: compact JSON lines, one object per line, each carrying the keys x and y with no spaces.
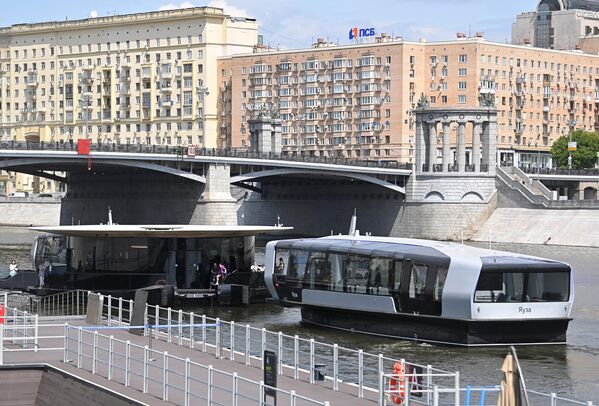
{"x":514,"y":287}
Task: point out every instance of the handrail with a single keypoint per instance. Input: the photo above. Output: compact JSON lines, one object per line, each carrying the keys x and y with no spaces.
{"x":182,"y":152}
{"x":100,"y":359}
{"x":299,"y":358}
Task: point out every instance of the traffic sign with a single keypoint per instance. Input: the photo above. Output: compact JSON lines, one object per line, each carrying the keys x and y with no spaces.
{"x":572,"y":146}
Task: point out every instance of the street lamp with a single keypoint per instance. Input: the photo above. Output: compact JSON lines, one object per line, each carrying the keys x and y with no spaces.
{"x":85,"y":104}
{"x":571,"y":123}
{"x":202,"y":91}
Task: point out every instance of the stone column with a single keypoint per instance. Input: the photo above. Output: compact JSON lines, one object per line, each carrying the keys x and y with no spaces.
{"x":432,"y":145}
{"x":476,"y":146}
{"x":216,"y":205}
{"x":489,"y":141}
{"x":446,"y":146}
{"x":461,"y":146}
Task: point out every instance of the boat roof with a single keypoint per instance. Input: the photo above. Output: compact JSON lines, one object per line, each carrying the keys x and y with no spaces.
{"x":418,"y":247}
{"x":160,"y":231}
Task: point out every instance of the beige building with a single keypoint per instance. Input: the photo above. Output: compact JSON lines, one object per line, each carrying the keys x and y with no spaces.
{"x":357,"y":100}
{"x":138,"y":78}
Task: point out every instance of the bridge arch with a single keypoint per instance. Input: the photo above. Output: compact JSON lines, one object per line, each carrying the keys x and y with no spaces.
{"x":293,"y":171}
{"x":18,"y":164}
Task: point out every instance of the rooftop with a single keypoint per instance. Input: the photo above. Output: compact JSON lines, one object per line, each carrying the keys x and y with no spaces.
{"x":122,"y":19}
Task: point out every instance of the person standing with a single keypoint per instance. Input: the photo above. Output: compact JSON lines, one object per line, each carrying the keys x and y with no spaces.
{"x":41,"y":273}
{"x":13,"y":268}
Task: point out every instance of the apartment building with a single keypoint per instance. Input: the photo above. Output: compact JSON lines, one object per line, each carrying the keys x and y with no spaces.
{"x":137,"y":78}
{"x":357,"y":100}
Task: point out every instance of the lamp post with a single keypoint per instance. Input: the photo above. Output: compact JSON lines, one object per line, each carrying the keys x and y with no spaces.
{"x":538,"y":160}
{"x":202,"y":91}
{"x":85,"y":102}
{"x":571,"y":124}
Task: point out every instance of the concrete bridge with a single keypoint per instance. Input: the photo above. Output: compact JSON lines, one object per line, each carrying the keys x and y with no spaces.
{"x":160,"y":184}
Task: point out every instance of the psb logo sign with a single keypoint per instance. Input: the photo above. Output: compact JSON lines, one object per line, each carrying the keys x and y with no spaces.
{"x":356,"y":32}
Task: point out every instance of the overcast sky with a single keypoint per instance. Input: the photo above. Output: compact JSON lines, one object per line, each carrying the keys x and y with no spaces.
{"x":295,"y":24}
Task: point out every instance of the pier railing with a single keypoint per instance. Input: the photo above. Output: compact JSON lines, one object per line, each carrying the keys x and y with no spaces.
{"x":167,"y":377}
{"x":354,"y":371}
{"x":21,"y":331}
{"x":71,"y":303}
{"x":328,"y":364}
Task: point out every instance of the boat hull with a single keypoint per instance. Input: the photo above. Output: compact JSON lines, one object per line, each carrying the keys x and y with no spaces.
{"x":440,"y":330}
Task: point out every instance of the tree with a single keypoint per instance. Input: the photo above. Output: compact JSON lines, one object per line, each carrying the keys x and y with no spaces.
{"x":585,"y":155}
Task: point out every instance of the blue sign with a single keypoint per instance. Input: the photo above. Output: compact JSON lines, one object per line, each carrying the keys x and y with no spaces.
{"x":356,"y":32}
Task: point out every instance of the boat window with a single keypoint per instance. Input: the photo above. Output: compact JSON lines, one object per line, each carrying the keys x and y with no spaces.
{"x":398,"y":273}
{"x":281,"y":261}
{"x":297,"y":264}
{"x":318,"y":271}
{"x":379,"y":273}
{"x":356,"y":273}
{"x":418,"y":280}
{"x":440,"y":283}
{"x":522,"y":287}
{"x":548,"y":286}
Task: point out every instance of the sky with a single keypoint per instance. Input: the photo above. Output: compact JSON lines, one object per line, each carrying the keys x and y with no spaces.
{"x":296,"y":24}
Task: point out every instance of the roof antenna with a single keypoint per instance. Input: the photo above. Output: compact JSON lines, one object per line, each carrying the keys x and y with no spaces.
{"x":352,"y":224}
{"x":109,"y":216}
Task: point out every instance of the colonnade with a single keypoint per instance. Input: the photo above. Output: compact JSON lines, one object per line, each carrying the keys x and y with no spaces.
{"x":483,"y":123}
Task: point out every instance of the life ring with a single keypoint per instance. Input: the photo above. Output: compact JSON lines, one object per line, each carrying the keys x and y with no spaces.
{"x":396,"y":383}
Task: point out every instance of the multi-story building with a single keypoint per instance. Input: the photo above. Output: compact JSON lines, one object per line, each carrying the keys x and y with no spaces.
{"x":557,"y":24}
{"x":138,"y":78}
{"x":357,"y":100}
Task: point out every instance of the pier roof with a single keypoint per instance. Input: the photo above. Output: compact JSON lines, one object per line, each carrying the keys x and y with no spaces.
{"x":161,"y":231}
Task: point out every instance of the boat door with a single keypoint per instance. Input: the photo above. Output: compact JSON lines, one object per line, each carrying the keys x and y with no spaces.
{"x":416,"y":288}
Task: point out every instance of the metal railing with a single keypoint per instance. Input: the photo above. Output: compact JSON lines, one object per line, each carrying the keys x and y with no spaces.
{"x":210,"y":152}
{"x":71,"y":303}
{"x":165,"y":376}
{"x":298,"y":358}
{"x":530,"y":170}
{"x":20,"y":331}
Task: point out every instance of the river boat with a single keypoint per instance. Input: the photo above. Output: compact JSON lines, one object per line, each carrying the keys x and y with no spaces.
{"x":430,"y":291}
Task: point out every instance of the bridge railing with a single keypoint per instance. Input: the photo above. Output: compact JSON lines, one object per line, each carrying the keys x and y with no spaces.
{"x":215,"y":152}
{"x":559,"y":171}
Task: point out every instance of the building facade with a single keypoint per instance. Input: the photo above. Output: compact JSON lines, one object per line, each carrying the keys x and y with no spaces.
{"x":357,"y":100}
{"x":138,"y":78}
{"x":557,"y":24}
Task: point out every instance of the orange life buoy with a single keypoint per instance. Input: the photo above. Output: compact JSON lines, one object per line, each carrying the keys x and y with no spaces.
{"x":2,"y":312}
{"x":396,"y":383}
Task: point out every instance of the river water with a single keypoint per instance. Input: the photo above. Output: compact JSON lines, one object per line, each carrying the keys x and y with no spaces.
{"x":571,"y":370}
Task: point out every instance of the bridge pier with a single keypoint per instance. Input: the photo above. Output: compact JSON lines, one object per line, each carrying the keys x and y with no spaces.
{"x":216,"y":206}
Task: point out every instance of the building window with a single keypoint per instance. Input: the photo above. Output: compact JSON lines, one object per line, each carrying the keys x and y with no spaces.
{"x":462,"y":72}
{"x":461,"y":85}
{"x":462,"y":99}
{"x":463,"y":58}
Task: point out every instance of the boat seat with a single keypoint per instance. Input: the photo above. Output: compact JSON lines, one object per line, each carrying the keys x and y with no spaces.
{"x":360,"y":289}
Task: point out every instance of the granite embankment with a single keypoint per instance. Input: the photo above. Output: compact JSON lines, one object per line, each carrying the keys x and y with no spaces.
{"x":577,"y":227}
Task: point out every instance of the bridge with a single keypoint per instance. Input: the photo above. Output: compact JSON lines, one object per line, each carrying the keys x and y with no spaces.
{"x":177,"y":185}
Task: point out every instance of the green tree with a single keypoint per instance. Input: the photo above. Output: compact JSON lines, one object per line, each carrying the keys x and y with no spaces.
{"x":585,"y":155}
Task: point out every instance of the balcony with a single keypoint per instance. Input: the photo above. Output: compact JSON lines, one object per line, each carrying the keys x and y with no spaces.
{"x":166,"y":74}
{"x":126,"y":78}
{"x":88,"y":67}
{"x":545,"y":109}
{"x":166,"y":89}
